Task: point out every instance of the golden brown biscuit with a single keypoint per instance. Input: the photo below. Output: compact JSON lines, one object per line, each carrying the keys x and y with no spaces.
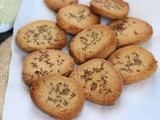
{"x":42,"y":34}
{"x":134,"y":63}
{"x":131,"y":31}
{"x":55,"y":5}
{"x":74,"y":18}
{"x":115,"y":9}
{"x":102,"y":84}
{"x":58,"y":96}
{"x":96,"y":41}
{"x":44,"y":62}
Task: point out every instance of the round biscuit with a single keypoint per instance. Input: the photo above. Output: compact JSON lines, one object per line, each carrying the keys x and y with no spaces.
{"x":74,"y":18}
{"x":114,"y":9}
{"x":134,"y":63}
{"x":96,"y":41}
{"x":41,"y":34}
{"x":58,"y":96}
{"x":101,"y":82}
{"x":46,"y":62}
{"x":131,"y":31}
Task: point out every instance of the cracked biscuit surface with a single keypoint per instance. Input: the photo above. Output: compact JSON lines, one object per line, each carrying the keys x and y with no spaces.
{"x":46,"y":62}
{"x":102,"y":84}
{"x":58,"y":96}
{"x":134,"y":63}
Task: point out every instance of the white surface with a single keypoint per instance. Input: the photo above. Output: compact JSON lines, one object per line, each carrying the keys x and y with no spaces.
{"x":140,"y":101}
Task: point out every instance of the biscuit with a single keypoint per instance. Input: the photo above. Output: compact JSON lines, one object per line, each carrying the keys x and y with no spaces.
{"x":58,"y":96}
{"x":55,"y":5}
{"x":131,"y":31}
{"x":42,"y":34}
{"x":96,"y":41}
{"x":102,"y":84}
{"x":44,"y":62}
{"x":115,"y":9}
{"x":134,"y":63}
{"x":74,"y":18}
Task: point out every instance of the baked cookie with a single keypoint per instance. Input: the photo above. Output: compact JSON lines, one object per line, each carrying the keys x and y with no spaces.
{"x":134,"y":63}
{"x":131,"y":31}
{"x":76,"y":17}
{"x":42,"y":34}
{"x":58,"y":96}
{"x":96,"y":41}
{"x":55,"y":5}
{"x":44,"y":62}
{"x":102,"y":84}
{"x":115,"y":9}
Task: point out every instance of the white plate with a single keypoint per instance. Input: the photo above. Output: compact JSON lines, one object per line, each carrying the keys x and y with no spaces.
{"x":140,"y":101}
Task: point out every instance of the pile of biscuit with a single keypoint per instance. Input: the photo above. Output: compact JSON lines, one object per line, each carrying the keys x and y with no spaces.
{"x":106,"y":55}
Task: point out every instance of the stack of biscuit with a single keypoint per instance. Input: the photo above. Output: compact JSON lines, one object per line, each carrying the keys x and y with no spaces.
{"x":107,"y":55}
